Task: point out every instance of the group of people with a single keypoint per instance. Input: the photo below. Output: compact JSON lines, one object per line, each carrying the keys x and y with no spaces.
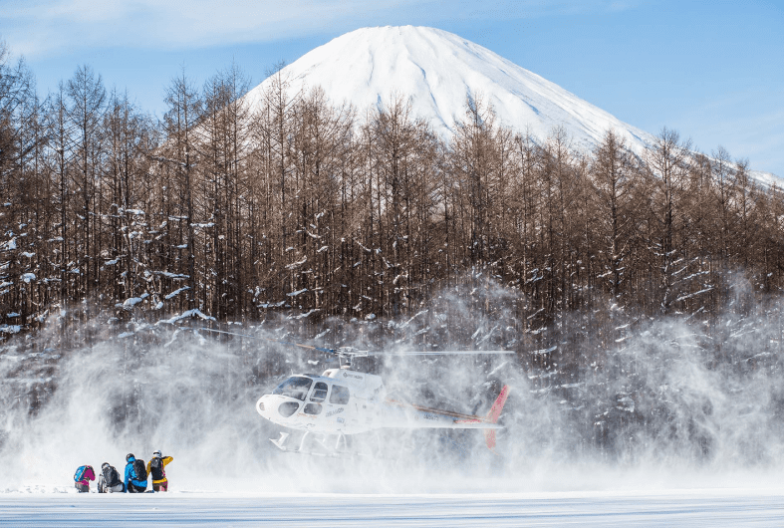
{"x":135,"y":478}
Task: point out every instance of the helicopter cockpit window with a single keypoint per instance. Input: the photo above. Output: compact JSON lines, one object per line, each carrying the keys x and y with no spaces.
{"x":296,"y":387}
{"x":340,"y":395}
{"x":319,"y":392}
{"x":312,"y":408}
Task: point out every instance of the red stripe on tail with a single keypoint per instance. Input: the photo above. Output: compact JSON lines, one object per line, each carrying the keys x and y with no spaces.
{"x":493,"y":415}
{"x":490,"y":439}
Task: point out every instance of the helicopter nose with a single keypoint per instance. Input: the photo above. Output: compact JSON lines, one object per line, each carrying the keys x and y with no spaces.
{"x":263,"y":409}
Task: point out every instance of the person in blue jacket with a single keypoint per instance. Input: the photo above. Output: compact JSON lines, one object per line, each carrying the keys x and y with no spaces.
{"x":134,"y":482}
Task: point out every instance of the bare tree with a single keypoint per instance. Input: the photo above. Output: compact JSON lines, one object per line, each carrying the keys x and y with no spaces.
{"x":86,"y":105}
{"x":612,"y":175}
{"x":180,"y":159}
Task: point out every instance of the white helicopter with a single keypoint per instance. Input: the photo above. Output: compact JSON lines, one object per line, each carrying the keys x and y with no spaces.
{"x":342,"y":402}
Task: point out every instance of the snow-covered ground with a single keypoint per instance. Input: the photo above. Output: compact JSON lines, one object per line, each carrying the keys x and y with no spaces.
{"x":544,"y":472}
{"x":684,"y":508}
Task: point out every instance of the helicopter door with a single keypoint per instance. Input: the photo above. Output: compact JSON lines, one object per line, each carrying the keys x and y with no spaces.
{"x":318,"y":395}
{"x":340,"y":395}
{"x":339,"y":408}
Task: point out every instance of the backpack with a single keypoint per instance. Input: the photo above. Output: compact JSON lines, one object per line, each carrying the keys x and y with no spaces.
{"x":139,"y":469}
{"x":156,"y":468}
{"x":79,"y":475}
{"x":111,"y":476}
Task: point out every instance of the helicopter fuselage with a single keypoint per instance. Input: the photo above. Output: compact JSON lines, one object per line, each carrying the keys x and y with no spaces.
{"x":345,"y":402}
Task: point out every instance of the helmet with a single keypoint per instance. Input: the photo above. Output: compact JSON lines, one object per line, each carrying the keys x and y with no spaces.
{"x":129,"y":456}
{"x":104,"y":465}
{"x":157,"y":454}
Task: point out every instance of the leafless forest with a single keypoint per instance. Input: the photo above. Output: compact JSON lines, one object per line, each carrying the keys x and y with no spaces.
{"x":354,"y":225}
{"x":296,"y":206}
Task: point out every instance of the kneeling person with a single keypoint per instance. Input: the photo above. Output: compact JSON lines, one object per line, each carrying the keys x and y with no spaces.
{"x":82,"y":477}
{"x":109,"y":480}
{"x":156,"y":467}
{"x":135,"y":475}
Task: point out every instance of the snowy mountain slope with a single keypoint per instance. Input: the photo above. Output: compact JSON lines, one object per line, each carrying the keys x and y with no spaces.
{"x":436,"y":71}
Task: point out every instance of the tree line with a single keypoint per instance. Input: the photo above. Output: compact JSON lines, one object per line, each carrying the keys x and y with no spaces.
{"x":237,"y":209}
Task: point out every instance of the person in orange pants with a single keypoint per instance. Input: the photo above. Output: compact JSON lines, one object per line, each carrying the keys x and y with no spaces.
{"x":156,"y":468}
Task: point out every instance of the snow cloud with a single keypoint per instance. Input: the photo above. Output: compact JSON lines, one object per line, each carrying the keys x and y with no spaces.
{"x":41,"y":28}
{"x":671,"y":404}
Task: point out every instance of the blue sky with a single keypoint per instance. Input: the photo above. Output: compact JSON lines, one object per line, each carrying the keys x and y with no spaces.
{"x":713,"y":70}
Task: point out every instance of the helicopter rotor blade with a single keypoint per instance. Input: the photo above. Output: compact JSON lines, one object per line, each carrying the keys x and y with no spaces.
{"x":443,"y":353}
{"x":348,"y":353}
{"x":278,"y":341}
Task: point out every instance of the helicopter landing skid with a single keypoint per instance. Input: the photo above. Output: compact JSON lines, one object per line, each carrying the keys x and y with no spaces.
{"x":329,"y":451}
{"x":316,"y":453}
{"x":280,"y":443}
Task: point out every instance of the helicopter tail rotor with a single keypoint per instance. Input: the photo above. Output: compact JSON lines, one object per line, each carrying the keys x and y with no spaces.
{"x":493,"y":415}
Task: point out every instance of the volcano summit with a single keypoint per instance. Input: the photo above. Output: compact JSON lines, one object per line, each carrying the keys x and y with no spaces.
{"x":437,"y":73}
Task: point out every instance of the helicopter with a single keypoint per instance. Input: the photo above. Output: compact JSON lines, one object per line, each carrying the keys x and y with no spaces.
{"x":341,"y":402}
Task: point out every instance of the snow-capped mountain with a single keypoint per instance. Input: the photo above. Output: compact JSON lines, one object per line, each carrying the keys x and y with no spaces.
{"x":436,"y":71}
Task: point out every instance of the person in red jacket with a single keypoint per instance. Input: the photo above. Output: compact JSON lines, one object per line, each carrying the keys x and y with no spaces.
{"x":156,"y":468}
{"x":82,"y":477}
